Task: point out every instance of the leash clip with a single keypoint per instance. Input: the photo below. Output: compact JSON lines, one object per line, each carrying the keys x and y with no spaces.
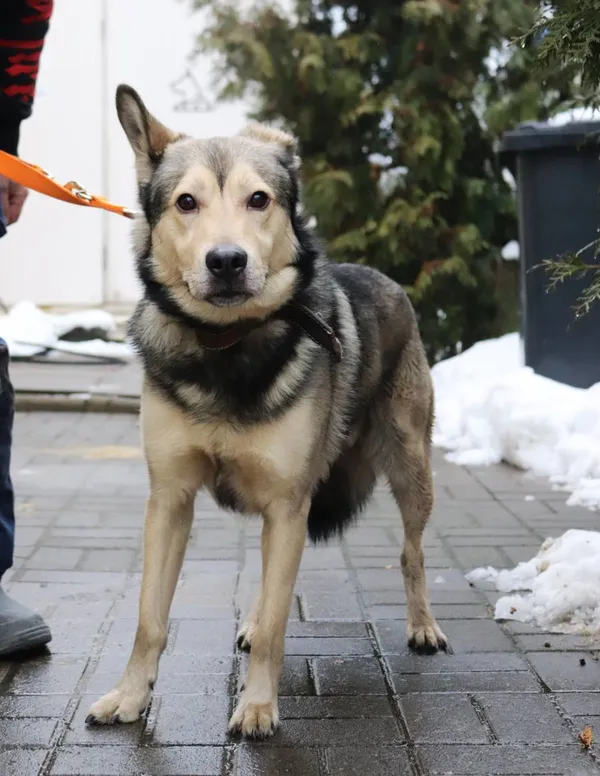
{"x":79,"y":191}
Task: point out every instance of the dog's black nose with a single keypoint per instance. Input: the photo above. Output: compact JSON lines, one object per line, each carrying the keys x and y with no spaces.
{"x":226,"y":261}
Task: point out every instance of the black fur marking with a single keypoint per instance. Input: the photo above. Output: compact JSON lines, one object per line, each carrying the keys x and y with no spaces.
{"x":339,"y":499}
{"x":225,"y":494}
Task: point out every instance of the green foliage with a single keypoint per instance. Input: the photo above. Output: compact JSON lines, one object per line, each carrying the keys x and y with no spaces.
{"x":573,"y":266}
{"x":570,"y":37}
{"x":398,"y":108}
{"x":570,"y":40}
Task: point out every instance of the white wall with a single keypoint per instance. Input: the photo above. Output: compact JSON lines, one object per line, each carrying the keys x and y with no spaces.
{"x":59,"y":254}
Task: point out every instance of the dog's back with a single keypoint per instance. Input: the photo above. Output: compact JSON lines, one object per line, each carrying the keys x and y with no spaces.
{"x":390,"y":359}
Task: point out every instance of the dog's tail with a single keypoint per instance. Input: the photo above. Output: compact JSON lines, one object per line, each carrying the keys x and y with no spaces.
{"x":338,"y":500}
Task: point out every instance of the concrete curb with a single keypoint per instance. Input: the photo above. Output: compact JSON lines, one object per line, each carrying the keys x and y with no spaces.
{"x":76,"y":402}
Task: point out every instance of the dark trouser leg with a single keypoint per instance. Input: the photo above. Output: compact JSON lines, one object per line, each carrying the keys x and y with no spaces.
{"x":20,"y":628}
{"x":7,"y":511}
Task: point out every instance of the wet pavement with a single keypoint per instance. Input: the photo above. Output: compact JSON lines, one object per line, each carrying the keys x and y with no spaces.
{"x":506,"y":699}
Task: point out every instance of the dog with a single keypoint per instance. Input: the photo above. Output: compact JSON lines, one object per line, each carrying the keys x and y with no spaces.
{"x":282,"y":384}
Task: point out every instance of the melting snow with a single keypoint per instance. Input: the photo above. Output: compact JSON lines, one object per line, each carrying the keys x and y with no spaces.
{"x":558,"y":589}
{"x":28,"y":331}
{"x":489,"y":408}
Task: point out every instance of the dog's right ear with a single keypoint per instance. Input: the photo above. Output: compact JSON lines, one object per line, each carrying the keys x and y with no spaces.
{"x":146,"y":135}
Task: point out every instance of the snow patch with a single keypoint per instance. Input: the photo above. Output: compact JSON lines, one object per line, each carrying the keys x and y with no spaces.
{"x":511,"y":251}
{"x":491,"y":408}
{"x":29,"y":331}
{"x":558,"y":590}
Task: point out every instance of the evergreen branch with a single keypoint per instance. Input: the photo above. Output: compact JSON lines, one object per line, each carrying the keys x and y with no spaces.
{"x":572,"y":267}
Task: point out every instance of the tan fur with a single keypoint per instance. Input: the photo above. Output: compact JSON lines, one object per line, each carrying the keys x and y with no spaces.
{"x":268,"y":134}
{"x":181,"y":241}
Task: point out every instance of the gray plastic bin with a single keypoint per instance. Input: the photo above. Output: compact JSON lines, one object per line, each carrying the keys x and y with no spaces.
{"x":557,"y":170}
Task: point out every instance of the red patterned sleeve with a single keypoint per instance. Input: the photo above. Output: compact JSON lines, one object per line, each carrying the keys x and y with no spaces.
{"x":23,"y":28}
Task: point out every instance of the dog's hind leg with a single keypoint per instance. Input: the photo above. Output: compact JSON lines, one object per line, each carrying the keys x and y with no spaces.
{"x":176,"y":473}
{"x":256,"y":715}
{"x":413,"y":490}
{"x":411,"y":482}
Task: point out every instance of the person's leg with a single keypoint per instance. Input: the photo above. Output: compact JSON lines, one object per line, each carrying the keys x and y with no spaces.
{"x":7,"y":510}
{"x":20,"y":628}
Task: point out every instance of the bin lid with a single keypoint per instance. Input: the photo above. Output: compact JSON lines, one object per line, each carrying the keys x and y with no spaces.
{"x":536,"y":135}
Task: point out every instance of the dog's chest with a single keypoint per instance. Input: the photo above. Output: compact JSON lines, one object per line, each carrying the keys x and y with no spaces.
{"x":252,"y":465}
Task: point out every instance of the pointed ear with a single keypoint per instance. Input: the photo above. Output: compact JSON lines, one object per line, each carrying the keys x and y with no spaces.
{"x":146,"y":135}
{"x":272,"y":136}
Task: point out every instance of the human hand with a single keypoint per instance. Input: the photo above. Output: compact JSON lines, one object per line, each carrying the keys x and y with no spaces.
{"x":12,"y":199}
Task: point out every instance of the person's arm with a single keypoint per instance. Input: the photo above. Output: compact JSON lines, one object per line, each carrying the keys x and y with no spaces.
{"x":23,"y":28}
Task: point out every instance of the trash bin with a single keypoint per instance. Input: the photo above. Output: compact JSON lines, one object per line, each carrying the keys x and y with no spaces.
{"x":557,"y":170}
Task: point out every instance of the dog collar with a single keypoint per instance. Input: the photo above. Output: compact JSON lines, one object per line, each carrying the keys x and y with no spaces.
{"x":295,"y":313}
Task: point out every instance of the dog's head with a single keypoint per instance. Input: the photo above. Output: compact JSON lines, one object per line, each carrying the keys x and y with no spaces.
{"x":221,"y":232}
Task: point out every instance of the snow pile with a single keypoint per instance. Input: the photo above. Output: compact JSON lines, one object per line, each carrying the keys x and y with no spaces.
{"x":558,"y":590}
{"x":28,"y":331}
{"x":573,"y":115}
{"x":489,"y":408}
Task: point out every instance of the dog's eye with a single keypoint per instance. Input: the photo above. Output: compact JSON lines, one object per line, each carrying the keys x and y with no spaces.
{"x":258,"y":201}
{"x":186,"y":203}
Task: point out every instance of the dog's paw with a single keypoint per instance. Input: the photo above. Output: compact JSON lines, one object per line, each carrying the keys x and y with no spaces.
{"x":118,"y":706}
{"x":254,"y":720}
{"x":427,"y":638}
{"x":245,"y":635}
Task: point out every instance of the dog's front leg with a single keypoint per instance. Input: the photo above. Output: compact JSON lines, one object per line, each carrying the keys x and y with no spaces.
{"x":174,"y":481}
{"x":256,"y":715}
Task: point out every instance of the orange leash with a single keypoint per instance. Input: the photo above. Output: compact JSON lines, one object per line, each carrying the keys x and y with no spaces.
{"x":36,"y":178}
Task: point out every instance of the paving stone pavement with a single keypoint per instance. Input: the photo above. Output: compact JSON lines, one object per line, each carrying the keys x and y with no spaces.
{"x":507,"y":699}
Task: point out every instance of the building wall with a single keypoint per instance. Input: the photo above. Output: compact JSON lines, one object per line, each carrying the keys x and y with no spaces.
{"x":59,"y":254}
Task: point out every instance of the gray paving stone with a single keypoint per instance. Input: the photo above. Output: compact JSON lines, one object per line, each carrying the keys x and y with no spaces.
{"x":579,"y":704}
{"x":446,"y":719}
{"x":342,"y":707}
{"x":191,"y":720}
{"x":138,"y":761}
{"x":554,"y":642}
{"x":45,"y":676}
{"x":21,"y":706}
{"x":506,"y":760}
{"x":355,"y":761}
{"x":331,"y":606}
{"x":18,"y":762}
{"x":349,"y":676}
{"x":338,"y":732}
{"x":524,"y":719}
{"x":295,"y":677}
{"x":202,"y":637}
{"x":324,"y":646}
{"x":271,"y":761}
{"x":494,"y":681}
{"x":441,"y":663}
{"x":55,"y":558}
{"x":334,"y":630}
{"x":26,"y":732}
{"x":562,"y":671}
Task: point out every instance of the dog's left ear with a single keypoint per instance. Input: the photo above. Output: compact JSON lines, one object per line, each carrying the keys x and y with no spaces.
{"x":147,"y":136}
{"x":272,"y":136}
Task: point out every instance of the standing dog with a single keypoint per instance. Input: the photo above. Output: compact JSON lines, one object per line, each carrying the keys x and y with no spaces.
{"x":282,"y":384}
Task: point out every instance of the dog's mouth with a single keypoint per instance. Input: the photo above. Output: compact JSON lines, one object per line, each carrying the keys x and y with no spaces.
{"x":228,"y":297}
